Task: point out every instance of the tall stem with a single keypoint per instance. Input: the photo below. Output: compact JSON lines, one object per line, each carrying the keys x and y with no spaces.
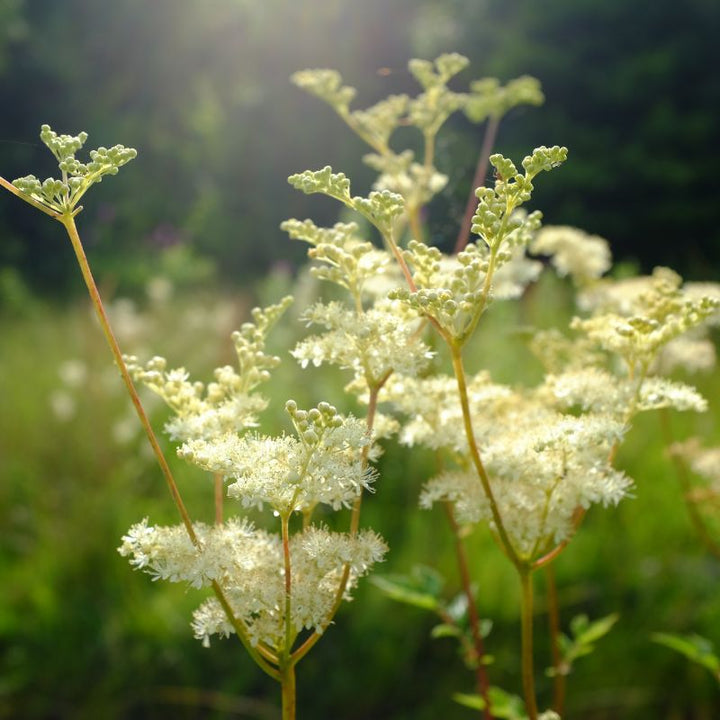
{"x":478,"y":181}
{"x":68,"y":222}
{"x":288,"y":692}
{"x":456,"y":354}
{"x":218,"y":497}
{"x":481,"y":676}
{"x":559,"y":682}
{"x":528,"y":674}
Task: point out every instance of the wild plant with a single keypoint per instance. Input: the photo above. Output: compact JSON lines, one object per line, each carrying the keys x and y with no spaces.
{"x":526,"y":461}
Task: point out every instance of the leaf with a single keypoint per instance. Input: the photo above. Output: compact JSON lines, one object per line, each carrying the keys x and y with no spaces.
{"x":421,"y":588}
{"x":475,"y":702}
{"x":694,"y":647}
{"x":502,"y":704}
{"x":593,"y":631}
{"x":445,"y":630}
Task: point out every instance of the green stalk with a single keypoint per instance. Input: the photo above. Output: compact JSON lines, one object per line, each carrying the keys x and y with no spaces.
{"x":289,"y":695}
{"x":528,"y":673}
{"x":457,"y":362}
{"x":482,"y":682}
{"x":287,"y":661}
{"x":559,"y":679}
{"x":68,"y":222}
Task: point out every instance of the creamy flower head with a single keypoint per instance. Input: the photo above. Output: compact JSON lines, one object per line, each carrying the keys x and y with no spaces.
{"x":249,"y":566}
{"x":542,"y":466}
{"x":573,"y":252}
{"x":371,"y":344}
{"x":323,"y":464}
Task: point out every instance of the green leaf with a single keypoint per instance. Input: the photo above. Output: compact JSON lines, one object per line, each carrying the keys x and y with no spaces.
{"x":421,"y":588}
{"x":502,"y":704}
{"x":475,"y":702}
{"x":445,"y":630}
{"x":595,"y":630}
{"x":694,"y":647}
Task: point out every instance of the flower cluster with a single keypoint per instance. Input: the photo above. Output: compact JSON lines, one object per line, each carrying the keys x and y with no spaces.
{"x":230,"y":403}
{"x":248,"y":564}
{"x":323,"y":464}
{"x":62,"y":196}
{"x":400,"y":172}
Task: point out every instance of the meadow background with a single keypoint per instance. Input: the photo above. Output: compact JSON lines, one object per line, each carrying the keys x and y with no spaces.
{"x":186,"y":239}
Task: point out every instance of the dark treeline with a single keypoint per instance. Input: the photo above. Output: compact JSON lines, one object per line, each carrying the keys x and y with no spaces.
{"x":202,"y":91}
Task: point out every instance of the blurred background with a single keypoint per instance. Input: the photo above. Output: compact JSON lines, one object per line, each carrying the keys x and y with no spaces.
{"x":186,"y":238}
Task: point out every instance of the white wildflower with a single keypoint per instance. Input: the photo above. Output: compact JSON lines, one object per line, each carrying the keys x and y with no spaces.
{"x":573,"y":252}
{"x":249,"y":566}
{"x":371,"y":344}
{"x":656,"y":392}
{"x":289,"y":473}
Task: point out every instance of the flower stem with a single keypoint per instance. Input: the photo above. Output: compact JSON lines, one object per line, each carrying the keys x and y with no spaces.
{"x":287,"y":681}
{"x":528,"y":674}
{"x":218,"y":498}
{"x":559,"y":678}
{"x":68,"y":222}
{"x":457,"y":362}
{"x":481,"y":676}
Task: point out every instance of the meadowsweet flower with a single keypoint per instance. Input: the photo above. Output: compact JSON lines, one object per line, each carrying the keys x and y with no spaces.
{"x":323,"y":464}
{"x":433,"y":412}
{"x":644,"y":316}
{"x":63,"y":195}
{"x":249,"y":565}
{"x":345,"y":258}
{"x":542,"y":466}
{"x":463,"y":490}
{"x":371,"y":344}
{"x":573,"y":252}
{"x":690,"y":352}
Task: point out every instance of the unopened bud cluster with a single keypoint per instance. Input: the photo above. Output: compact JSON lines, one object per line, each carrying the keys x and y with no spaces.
{"x":62,"y":195}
